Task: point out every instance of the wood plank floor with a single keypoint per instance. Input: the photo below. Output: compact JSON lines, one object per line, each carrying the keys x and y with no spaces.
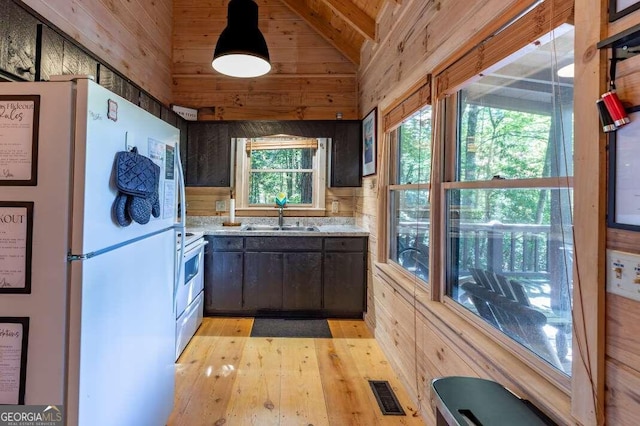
{"x":225,"y":377}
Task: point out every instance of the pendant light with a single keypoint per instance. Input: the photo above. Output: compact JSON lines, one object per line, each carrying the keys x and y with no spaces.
{"x":241,"y":50}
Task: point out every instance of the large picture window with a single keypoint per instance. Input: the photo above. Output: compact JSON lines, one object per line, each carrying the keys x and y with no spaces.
{"x":509,"y":198}
{"x":408,"y":197}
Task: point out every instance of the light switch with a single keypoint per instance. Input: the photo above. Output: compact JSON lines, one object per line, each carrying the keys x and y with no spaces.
{"x":623,"y":274}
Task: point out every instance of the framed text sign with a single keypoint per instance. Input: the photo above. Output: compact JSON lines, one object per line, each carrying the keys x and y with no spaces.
{"x":19,"y":121}
{"x":624,"y":175}
{"x":16,"y":236}
{"x":14,"y":339}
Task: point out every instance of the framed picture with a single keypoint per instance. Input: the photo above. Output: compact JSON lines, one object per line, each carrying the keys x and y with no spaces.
{"x":19,"y":122}
{"x":369,"y":143}
{"x":16,"y":236}
{"x":624,"y":175}
{"x":14,"y":339}
{"x":620,"y":8}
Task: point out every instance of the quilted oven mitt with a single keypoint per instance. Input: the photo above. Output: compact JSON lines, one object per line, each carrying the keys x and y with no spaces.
{"x":137,"y":179}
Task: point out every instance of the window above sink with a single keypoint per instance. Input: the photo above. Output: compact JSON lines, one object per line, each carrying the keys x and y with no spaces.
{"x":281,"y":163}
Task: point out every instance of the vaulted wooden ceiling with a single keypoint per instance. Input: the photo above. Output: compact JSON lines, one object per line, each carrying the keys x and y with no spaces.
{"x":315,"y":52}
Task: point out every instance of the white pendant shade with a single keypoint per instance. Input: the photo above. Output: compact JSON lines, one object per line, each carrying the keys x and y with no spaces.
{"x":241,"y":65}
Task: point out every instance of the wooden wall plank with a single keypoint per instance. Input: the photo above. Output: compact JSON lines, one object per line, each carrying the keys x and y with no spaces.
{"x":120,"y":34}
{"x":623,"y":339}
{"x":623,"y":385}
{"x":414,"y":38}
{"x":201,"y":201}
{"x":310,"y":78}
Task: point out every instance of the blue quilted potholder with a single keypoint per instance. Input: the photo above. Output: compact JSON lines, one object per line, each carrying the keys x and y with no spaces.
{"x":138,"y":180}
{"x":136,"y":174}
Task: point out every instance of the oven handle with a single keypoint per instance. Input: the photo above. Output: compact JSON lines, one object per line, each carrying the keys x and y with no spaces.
{"x":193,"y":247}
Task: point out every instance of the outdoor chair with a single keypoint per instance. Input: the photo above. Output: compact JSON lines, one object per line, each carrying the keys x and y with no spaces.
{"x":522,"y":323}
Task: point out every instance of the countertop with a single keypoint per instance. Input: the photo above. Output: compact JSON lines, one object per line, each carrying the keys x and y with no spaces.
{"x":323,"y":231}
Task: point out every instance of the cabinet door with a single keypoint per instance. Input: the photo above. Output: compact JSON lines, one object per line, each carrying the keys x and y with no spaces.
{"x":344,"y":282}
{"x":223,"y":281}
{"x":263,"y":280}
{"x":208,"y":154}
{"x":302,"y":281}
{"x":345,"y":154}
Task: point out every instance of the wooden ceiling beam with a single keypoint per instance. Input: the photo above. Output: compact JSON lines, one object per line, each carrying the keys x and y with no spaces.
{"x":354,"y":16}
{"x":325,"y":29}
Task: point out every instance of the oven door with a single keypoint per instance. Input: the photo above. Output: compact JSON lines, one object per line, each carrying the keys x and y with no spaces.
{"x":192,"y":279}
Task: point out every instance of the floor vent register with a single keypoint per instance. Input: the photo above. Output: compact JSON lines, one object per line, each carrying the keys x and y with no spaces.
{"x":386,"y":398}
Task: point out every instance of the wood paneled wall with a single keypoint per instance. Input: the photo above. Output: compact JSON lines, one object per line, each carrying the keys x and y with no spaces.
{"x":309,"y":80}
{"x":133,"y":36}
{"x":426,"y":339}
{"x":201,"y":201}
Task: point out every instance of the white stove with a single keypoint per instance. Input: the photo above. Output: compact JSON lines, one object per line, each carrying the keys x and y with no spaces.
{"x":191,"y":237}
{"x":190,"y":292}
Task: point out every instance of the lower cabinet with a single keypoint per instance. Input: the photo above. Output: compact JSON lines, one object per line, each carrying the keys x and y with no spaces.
{"x":223,"y":281}
{"x":344,"y":286}
{"x":313,"y":276}
{"x":263,"y":281}
{"x":302,"y":281}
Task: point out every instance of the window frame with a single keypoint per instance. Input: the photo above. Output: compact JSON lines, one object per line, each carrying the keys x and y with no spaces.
{"x":447,"y":106}
{"x":413,"y":101}
{"x":243,"y":170}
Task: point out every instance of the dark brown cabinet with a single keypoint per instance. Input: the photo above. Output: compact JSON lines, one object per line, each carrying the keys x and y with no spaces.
{"x":208,"y":161}
{"x":308,"y":276}
{"x":263,"y":281}
{"x":223,"y":268}
{"x":346,"y":157}
{"x":302,"y":281}
{"x":208,"y":154}
{"x":344,"y":274}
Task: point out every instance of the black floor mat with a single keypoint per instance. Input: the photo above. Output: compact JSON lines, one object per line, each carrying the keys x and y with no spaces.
{"x":279,"y":327}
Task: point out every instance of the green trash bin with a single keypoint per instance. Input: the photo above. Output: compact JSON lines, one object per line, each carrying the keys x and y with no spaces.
{"x":470,"y":401}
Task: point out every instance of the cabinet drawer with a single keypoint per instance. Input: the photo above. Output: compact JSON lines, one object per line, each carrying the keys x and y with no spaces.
{"x":226,"y":243}
{"x":344,"y":244}
{"x":284,"y":243}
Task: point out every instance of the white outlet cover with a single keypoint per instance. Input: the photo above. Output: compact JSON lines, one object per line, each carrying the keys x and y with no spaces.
{"x":624,"y":285}
{"x":220,"y":206}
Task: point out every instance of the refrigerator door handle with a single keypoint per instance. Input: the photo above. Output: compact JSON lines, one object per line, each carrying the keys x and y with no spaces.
{"x":183,"y":221}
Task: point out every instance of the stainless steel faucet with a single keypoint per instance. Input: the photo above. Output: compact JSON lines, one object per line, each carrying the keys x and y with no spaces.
{"x":280,"y":217}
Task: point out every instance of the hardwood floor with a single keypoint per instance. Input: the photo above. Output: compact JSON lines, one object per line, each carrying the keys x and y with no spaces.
{"x":225,"y":377}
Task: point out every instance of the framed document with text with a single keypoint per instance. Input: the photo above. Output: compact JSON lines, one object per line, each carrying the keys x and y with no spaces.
{"x":19,"y":121}
{"x":14,"y":339}
{"x":16,"y":236}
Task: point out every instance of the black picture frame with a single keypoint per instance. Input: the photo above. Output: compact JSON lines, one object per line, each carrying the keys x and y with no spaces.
{"x":370,"y":142}
{"x":28,"y":206}
{"x":24,"y":321}
{"x":620,"y":8}
{"x":617,"y":169}
{"x":33,"y":179}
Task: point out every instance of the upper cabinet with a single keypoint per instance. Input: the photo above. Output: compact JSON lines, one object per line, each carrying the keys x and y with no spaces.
{"x":346,"y":154}
{"x":208,"y":159}
{"x":208,"y":154}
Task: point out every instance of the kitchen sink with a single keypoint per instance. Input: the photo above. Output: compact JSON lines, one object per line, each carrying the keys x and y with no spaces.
{"x":277,"y":228}
{"x":299,"y":228}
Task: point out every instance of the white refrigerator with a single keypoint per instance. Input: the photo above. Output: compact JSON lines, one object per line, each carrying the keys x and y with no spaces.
{"x":102,"y":318}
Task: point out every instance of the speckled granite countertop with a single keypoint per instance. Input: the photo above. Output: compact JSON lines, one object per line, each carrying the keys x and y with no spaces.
{"x":333,"y":227}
